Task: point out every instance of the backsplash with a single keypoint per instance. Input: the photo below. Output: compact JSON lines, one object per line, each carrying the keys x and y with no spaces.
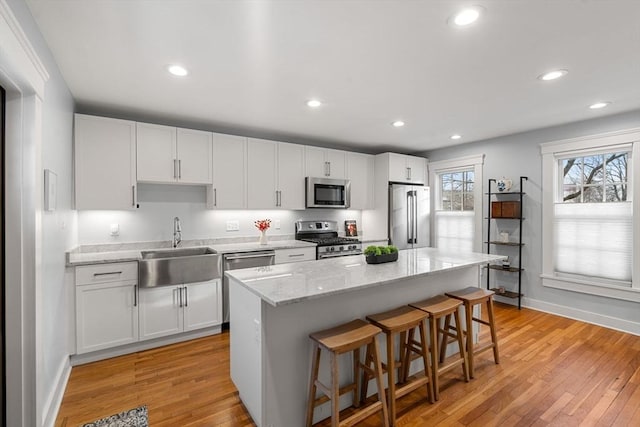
{"x":159,"y":204}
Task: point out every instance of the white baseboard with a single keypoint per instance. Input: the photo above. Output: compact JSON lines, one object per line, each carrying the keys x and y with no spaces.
{"x":53,"y":401}
{"x":584,"y":316}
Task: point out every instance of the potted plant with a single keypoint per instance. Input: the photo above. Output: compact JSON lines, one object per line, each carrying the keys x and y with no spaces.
{"x":380,"y":254}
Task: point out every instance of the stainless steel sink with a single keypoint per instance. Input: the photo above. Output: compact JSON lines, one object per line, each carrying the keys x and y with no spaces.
{"x":178,"y":266}
{"x":176,"y":253}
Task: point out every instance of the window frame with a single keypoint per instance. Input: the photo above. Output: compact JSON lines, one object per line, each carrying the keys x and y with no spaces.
{"x":473,"y":162}
{"x":552,"y":152}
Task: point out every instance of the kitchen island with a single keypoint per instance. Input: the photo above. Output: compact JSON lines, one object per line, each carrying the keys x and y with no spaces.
{"x":274,"y":308}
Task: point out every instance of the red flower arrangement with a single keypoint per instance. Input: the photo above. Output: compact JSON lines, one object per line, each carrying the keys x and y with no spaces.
{"x":263,"y":224}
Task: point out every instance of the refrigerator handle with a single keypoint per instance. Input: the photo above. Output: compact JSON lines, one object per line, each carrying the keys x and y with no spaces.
{"x":415,"y":216}
{"x":409,"y":220}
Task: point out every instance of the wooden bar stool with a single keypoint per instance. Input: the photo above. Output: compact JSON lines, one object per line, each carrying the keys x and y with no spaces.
{"x":402,"y":321}
{"x":471,"y":297}
{"x":338,"y":340}
{"x":438,"y":307}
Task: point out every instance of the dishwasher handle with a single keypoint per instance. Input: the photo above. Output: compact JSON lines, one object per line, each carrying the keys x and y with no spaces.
{"x":250,"y":255}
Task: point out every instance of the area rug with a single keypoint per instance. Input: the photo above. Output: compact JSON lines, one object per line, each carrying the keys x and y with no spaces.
{"x":136,"y":417}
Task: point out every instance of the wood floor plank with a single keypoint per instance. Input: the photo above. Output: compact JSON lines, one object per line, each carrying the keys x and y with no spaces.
{"x":553,"y":372}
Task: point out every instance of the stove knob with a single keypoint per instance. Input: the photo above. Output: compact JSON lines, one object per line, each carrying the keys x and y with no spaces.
{"x":332,"y":249}
{"x":310,"y":225}
{"x":352,"y":247}
{"x":341,"y":248}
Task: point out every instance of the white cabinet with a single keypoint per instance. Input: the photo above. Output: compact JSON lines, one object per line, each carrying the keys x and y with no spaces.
{"x":105,"y":163}
{"x":290,"y":176}
{"x":360,"y":171}
{"x":275,"y":175}
{"x":284,"y":256}
{"x":169,"y":155}
{"x":106,"y":306}
{"x":324,"y":162}
{"x":169,"y":310}
{"x":229,"y":166}
{"x":404,"y":168}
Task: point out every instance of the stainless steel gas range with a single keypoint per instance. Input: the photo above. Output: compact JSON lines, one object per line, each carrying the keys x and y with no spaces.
{"x":325,"y":235}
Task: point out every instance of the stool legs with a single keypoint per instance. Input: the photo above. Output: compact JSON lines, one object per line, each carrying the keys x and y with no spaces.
{"x":492,"y":324}
{"x":468,"y":314}
{"x":471,"y":348}
{"x":315,"y":366}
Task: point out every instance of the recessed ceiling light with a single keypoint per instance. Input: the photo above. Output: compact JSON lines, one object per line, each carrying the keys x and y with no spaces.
{"x":466,"y":16}
{"x":598,"y":105}
{"x":314,"y":103}
{"x":398,"y":123}
{"x":178,"y":70}
{"x":456,"y":136}
{"x":552,"y":75}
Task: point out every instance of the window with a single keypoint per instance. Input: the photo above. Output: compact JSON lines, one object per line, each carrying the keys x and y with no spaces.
{"x":456,"y":201}
{"x":588,"y":243}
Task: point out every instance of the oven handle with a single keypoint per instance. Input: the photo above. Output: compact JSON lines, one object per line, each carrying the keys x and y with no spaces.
{"x":335,"y":255}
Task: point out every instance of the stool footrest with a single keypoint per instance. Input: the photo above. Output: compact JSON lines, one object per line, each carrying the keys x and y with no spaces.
{"x":484,"y":322}
{"x":327,"y":392}
{"x":412,"y":384}
{"x":484,"y":347}
{"x":361,"y":414}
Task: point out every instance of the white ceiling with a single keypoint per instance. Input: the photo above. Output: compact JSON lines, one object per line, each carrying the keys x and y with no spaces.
{"x":254,"y":64}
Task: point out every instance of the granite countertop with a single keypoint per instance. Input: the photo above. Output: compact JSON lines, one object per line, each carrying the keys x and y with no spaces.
{"x":102,"y":254}
{"x":289,"y":283}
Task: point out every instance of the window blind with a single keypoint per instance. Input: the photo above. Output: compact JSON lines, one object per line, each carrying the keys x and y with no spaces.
{"x":594,"y":239}
{"x":454,"y":230}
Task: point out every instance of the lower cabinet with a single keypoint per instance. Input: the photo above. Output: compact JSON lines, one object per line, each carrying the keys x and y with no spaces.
{"x":169,"y":310}
{"x":106,"y":306}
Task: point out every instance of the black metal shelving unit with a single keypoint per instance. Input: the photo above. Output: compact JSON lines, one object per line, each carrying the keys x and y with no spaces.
{"x":506,"y":196}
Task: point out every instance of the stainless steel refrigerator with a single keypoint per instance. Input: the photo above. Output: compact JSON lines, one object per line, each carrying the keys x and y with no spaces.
{"x":409,"y":216}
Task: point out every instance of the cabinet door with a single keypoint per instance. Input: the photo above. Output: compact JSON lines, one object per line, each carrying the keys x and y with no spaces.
{"x":398,"y":171}
{"x":160,"y":311}
{"x":360,"y":169}
{"x":106,"y":315}
{"x":195,"y":156}
{"x":261,"y":174}
{"x":315,"y":162}
{"x":156,"y":153}
{"x":229,"y":187}
{"x":202,"y":305}
{"x":291,"y":176}
{"x":337,"y":163}
{"x":416,"y":167}
{"x":105,"y":163}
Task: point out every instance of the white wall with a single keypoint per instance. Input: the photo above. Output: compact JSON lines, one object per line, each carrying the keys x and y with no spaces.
{"x":515,"y":155}
{"x":59,"y":228}
{"x":159,"y":204}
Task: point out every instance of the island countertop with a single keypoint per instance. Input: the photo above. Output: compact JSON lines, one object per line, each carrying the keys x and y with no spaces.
{"x":290,"y":283}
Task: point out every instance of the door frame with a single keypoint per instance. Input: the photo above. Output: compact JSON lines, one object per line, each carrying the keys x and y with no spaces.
{"x":23,"y":77}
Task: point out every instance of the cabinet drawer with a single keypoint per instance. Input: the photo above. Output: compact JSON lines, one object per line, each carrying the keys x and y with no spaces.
{"x":103,"y":273}
{"x":295,"y":255}
{"x":505,"y":209}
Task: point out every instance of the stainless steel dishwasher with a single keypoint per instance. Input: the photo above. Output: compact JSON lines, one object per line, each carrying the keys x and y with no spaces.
{"x":236,"y":261}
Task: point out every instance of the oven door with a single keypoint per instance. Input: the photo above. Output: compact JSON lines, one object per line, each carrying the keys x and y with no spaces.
{"x":328,"y":193}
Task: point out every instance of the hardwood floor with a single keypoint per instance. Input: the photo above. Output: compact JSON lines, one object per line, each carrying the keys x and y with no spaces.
{"x":553,"y":371}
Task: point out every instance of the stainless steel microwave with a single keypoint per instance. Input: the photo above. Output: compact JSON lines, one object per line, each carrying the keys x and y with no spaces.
{"x":328,"y":193}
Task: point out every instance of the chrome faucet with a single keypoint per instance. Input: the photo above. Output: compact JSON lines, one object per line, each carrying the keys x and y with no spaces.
{"x":177,"y":232}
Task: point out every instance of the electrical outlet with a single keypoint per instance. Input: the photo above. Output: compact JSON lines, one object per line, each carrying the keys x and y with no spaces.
{"x":233,"y":225}
{"x":114,"y":229}
{"x":276,"y":224}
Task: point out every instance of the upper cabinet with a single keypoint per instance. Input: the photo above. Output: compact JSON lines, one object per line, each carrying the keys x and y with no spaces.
{"x":105,"y":163}
{"x":409,"y":169}
{"x":275,"y":175}
{"x":229,"y":166}
{"x":360,"y":171}
{"x":325,"y":162}
{"x":169,"y":155}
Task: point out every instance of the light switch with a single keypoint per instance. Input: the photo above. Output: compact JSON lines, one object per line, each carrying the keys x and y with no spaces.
{"x":233,"y":225}
{"x":114,"y":229}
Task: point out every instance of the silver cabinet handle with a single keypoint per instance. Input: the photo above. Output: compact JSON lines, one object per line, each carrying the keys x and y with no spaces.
{"x":174,"y":169}
{"x":107,"y":273}
{"x":186,"y":296}
{"x":215,"y":197}
{"x":326,"y":168}
{"x":408,"y":173}
{"x":279,"y":198}
{"x":179,"y":169}
{"x":276,"y":197}
{"x":295,"y":255}
{"x":179,"y":290}
{"x":135,"y":295}
{"x":133,"y":196}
